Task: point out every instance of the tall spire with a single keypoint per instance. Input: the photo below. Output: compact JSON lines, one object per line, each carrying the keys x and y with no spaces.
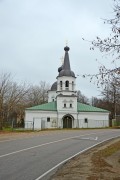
{"x":65,"y":69}
{"x":66,"y":65}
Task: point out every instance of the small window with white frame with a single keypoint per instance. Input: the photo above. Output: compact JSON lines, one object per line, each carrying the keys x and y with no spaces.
{"x":64,"y":105}
{"x":70,"y":105}
{"x":86,"y":120}
{"x":48,"y":119}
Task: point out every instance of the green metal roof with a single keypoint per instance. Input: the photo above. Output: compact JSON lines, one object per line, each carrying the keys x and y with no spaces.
{"x":87,"y":108}
{"x":52,"y":106}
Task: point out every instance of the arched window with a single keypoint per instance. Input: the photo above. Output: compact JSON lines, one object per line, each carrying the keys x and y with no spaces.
{"x":60,"y":85}
{"x":67,"y":85}
{"x":65,"y":105}
{"x":72,"y":86}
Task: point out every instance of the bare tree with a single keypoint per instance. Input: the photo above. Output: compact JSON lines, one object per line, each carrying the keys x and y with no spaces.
{"x":110,"y":99}
{"x":38,"y":94}
{"x":109,"y":46}
{"x":82,"y":98}
{"x":4,"y":88}
{"x":111,"y":95}
{"x":11,"y":96}
{"x":14,"y":97}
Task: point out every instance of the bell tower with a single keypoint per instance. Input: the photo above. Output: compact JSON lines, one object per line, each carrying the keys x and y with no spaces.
{"x":66,"y":92}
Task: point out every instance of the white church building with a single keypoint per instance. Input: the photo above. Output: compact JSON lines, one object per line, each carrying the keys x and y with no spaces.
{"x":63,"y":110}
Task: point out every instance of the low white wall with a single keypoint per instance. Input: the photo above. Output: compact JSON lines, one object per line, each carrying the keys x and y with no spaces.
{"x":95,"y":120}
{"x":40,"y":119}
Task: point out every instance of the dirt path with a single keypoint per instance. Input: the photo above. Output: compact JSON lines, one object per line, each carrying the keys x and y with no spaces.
{"x":99,"y":163}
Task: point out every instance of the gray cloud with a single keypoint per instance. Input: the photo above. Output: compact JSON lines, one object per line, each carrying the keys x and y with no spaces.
{"x":33,"y":34}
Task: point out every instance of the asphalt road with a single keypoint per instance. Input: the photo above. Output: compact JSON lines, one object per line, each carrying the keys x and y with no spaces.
{"x":37,"y":156}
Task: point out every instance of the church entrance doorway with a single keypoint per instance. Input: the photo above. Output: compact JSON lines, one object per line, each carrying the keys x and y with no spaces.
{"x":67,"y":121}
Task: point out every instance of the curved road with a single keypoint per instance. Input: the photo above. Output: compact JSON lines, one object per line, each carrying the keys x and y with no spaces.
{"x":37,"y":156}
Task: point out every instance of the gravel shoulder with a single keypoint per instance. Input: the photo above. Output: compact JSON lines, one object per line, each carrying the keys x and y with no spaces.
{"x":101,"y":162}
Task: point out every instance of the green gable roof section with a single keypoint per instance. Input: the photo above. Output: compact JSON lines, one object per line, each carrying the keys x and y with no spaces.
{"x":87,"y":108}
{"x":51,"y":106}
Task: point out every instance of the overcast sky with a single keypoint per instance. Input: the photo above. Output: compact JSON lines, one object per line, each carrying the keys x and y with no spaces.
{"x":33,"y":34}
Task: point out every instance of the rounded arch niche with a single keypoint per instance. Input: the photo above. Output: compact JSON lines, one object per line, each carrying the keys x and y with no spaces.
{"x":68,"y":121}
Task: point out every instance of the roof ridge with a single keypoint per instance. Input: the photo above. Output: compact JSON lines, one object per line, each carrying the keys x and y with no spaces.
{"x":51,"y":106}
{"x":89,"y":108}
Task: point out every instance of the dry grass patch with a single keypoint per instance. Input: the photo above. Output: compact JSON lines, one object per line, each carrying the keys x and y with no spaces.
{"x":99,"y":163}
{"x":103,"y":165}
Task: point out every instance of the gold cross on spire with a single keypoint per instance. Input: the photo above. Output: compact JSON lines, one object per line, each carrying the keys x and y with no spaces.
{"x":66,"y":42}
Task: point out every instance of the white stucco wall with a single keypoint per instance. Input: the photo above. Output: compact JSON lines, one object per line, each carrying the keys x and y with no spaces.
{"x":95,"y":120}
{"x":63,"y":79}
{"x":61,"y":114}
{"x":51,"y":95}
{"x":67,"y":100}
{"x":40,"y":119}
